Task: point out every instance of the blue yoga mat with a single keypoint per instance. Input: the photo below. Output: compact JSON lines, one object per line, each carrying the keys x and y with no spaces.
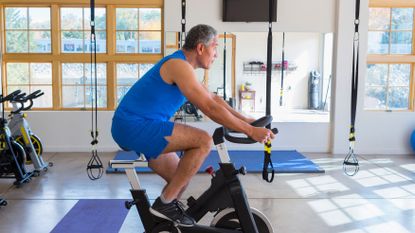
{"x":289,"y":161}
{"x":103,"y":216}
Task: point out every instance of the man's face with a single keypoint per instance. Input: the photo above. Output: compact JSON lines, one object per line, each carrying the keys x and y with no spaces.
{"x":209,"y":53}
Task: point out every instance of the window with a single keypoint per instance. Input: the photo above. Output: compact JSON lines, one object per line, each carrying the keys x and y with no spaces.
{"x":387,"y":86}
{"x":127,"y":75}
{"x":76,"y":30}
{"x":29,"y":77}
{"x":47,"y":47}
{"x":77,"y":89}
{"x":390,"y":30}
{"x":27,"y":30}
{"x":138,"y":30}
{"x":390,"y":50}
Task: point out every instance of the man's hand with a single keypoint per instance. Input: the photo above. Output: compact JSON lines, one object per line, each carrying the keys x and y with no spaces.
{"x":261,"y":134}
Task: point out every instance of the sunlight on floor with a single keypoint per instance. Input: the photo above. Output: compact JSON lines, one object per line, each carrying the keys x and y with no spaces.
{"x":311,"y":186}
{"x":345,"y":209}
{"x":382,"y":184}
{"x":409,"y":167}
{"x":379,"y":176}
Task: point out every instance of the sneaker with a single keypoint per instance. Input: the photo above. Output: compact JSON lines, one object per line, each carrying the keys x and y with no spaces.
{"x":173,"y":212}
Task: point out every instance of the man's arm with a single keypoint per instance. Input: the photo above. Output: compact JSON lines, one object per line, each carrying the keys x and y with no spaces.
{"x":182,"y":74}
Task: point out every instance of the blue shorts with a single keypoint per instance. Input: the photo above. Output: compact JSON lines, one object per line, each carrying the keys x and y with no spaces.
{"x":142,"y":136}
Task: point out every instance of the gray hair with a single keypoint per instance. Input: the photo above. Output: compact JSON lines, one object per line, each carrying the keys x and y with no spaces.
{"x":201,"y":33}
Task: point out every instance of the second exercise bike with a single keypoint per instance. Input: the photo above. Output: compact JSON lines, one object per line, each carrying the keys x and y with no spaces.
{"x":23,"y":134}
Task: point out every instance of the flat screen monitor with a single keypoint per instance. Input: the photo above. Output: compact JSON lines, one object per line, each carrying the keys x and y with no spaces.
{"x":248,"y":10}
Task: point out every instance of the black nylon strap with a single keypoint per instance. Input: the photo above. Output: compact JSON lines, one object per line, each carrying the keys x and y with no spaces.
{"x":355,"y":70}
{"x":355,"y":73}
{"x":282,"y":68}
{"x":95,"y":162}
{"x":183,"y":22}
{"x":268,"y":166}
{"x":224,"y":66}
{"x":351,"y":159}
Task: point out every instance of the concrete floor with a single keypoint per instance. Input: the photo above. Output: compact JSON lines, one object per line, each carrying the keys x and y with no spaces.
{"x":381,"y":198}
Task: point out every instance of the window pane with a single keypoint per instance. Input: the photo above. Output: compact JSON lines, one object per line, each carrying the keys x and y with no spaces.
{"x":102,"y":96}
{"x":375,"y":98}
{"x":150,"y":42}
{"x":39,"y":18}
{"x":17,"y":73}
{"x":127,"y":74}
{"x":73,"y":96}
{"x":401,"y":42}
{"x":16,"y":42}
{"x":379,"y":18}
{"x":126,"y":19}
{"x":400,"y":75}
{"x":79,"y":77}
{"x":101,"y":73}
{"x":127,"y":42}
{"x":100,"y":41}
{"x":402,"y":18}
{"x":23,"y":88}
{"x":100,"y":19}
{"x":72,"y":41}
{"x":398,"y":98}
{"x":150,"y":19}
{"x":73,"y":73}
{"x":378,"y":42}
{"x":40,"y":41}
{"x":71,"y":18}
{"x":16,"y":18}
{"x":44,"y":101}
{"x":377,"y":74}
{"x":144,"y":68}
{"x":41,"y":73}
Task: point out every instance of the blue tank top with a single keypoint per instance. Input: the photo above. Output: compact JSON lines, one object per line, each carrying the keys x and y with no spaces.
{"x":151,"y":97}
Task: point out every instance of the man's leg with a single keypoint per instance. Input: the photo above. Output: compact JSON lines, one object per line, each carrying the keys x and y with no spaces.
{"x":196,"y":145}
{"x":165,"y":165}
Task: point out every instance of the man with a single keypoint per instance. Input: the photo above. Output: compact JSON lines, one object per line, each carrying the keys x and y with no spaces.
{"x":141,"y":121}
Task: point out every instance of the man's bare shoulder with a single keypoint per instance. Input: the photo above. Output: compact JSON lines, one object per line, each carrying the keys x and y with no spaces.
{"x":176,"y":68}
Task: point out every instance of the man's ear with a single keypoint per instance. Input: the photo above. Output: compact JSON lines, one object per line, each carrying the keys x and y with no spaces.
{"x":199,"y":48}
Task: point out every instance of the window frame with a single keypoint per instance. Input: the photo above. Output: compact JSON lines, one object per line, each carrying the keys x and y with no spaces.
{"x":57,"y":57}
{"x":395,"y":58}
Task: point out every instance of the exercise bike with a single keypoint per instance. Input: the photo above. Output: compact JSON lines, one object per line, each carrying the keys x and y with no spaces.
{"x":12,"y":154}
{"x":225,"y":197}
{"x":23,"y":135}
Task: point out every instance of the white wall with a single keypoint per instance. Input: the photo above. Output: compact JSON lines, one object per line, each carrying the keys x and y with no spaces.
{"x":377,"y":132}
{"x":312,"y":16}
{"x":303,"y":49}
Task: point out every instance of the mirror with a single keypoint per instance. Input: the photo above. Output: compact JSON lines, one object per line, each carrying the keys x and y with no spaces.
{"x":306,"y":73}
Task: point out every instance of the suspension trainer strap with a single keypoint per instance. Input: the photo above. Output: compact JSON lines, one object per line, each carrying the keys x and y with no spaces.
{"x":351,"y":159}
{"x":282,"y":68}
{"x":95,"y":163}
{"x":268,"y":166}
{"x":224,"y":66}
{"x":183,"y":22}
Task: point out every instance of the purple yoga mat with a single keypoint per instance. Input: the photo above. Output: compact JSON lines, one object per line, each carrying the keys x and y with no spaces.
{"x":90,"y":216}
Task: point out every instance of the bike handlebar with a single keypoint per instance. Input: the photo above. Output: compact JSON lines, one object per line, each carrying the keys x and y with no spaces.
{"x":10,"y":96}
{"x":22,"y":99}
{"x":261,"y":122}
